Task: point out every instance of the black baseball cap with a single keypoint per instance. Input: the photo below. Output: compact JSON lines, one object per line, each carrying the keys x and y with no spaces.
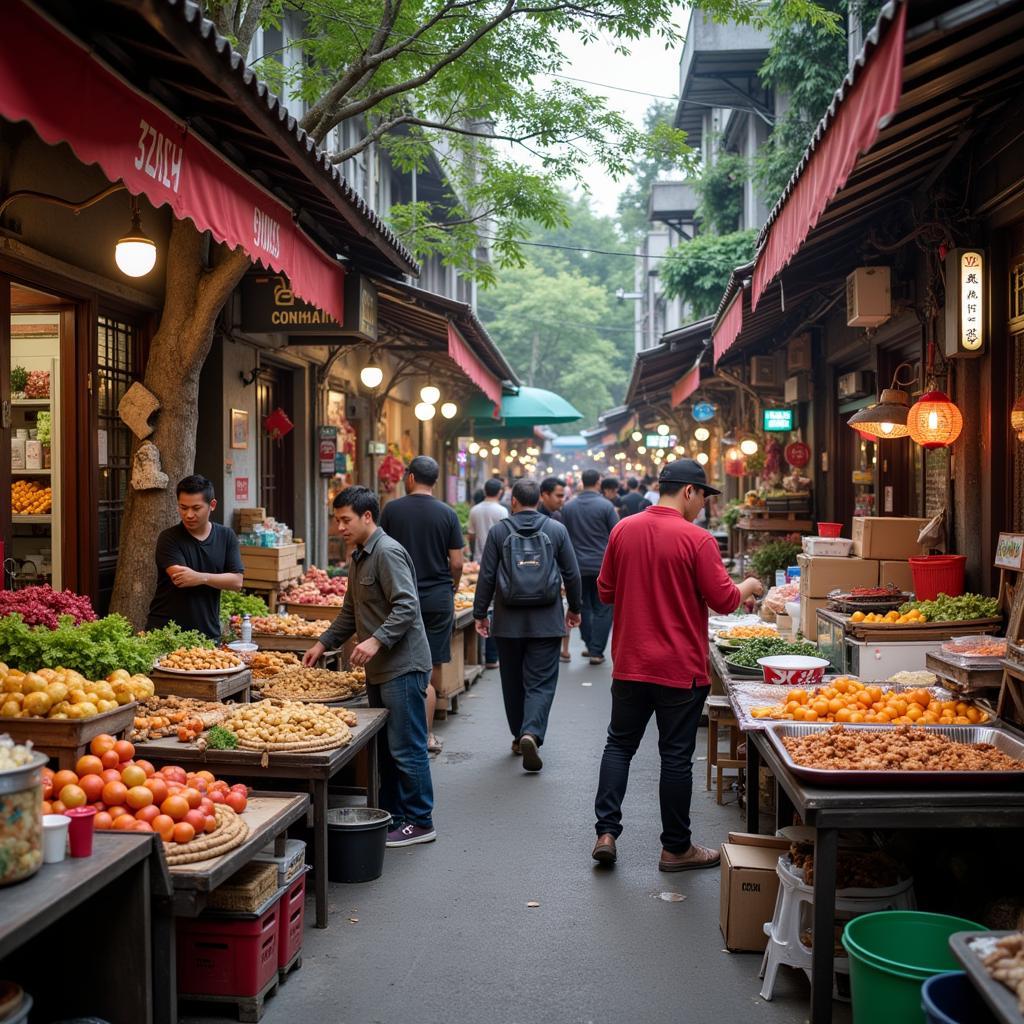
{"x":687,"y":471}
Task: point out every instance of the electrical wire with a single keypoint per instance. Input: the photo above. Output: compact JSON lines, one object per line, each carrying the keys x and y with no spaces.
{"x":578,"y":248}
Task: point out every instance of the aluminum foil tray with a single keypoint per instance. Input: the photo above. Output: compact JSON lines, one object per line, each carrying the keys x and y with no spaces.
{"x":997,"y":735}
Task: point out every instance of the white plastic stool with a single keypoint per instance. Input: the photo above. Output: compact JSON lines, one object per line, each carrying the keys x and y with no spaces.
{"x":783,"y":931}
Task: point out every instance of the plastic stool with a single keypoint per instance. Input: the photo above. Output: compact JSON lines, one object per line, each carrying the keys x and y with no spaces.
{"x":795,"y":903}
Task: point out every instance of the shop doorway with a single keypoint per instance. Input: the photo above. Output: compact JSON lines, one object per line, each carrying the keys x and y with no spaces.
{"x":277,"y":456}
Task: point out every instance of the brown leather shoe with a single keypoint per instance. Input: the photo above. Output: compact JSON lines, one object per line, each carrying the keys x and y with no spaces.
{"x":695,"y":857}
{"x":604,"y":849}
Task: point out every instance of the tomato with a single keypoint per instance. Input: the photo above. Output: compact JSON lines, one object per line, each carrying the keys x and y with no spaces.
{"x":206,"y":805}
{"x":147,"y":813}
{"x":164,"y":825}
{"x":126,"y":823}
{"x":138,"y":797}
{"x":114,"y":793}
{"x":102,"y":820}
{"x":193,"y":796}
{"x":47,"y":789}
{"x":133,"y":775}
{"x":64,"y":778}
{"x":146,"y":766}
{"x":117,"y":811}
{"x":216,"y":796}
{"x":125,"y":750}
{"x":143,"y":826}
{"x":183,"y":832}
{"x":220,"y":786}
{"x":101,"y":744}
{"x":196,"y":819}
{"x":174,"y":773}
{"x":236,"y":801}
{"x":88,"y":764}
{"x":240,"y":787}
{"x":158,"y":788}
{"x":110,"y":775}
{"x":175,"y":807}
{"x":211,"y":823}
{"x":174,"y":787}
{"x":110,"y":759}
{"x":56,"y":807}
{"x":93,"y":787}
{"x":47,"y":807}
{"x":204,"y":774}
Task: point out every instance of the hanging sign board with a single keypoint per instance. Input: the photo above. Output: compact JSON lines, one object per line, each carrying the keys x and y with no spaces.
{"x":269,"y":306}
{"x":702,"y":412}
{"x":966,"y":302}
{"x":1010,"y":551}
{"x":797,"y":454}
{"x":327,"y":449}
{"x":661,"y":441}
{"x":777,"y":420}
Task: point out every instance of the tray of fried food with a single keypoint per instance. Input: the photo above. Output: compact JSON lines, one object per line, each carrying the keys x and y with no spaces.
{"x":978,"y":756}
{"x":157,"y":717}
{"x":315,"y":684}
{"x":267,"y":664}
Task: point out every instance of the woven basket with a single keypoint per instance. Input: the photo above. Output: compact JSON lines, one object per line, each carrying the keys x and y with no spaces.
{"x":230,"y":832}
{"x":246,"y":890}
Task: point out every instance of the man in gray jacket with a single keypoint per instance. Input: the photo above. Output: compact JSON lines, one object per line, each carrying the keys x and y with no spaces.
{"x":590,"y":519}
{"x":528,"y":637}
{"x":382,"y":611}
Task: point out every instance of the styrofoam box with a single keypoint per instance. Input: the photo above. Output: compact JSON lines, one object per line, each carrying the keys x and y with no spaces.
{"x":833,"y":547}
{"x":288,"y":866}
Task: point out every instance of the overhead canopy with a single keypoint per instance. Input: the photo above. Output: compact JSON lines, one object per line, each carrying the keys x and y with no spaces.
{"x":659,"y":370}
{"x":529,"y":407}
{"x":568,"y":442}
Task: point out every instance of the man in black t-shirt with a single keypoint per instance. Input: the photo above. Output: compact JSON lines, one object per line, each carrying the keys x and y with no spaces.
{"x":429,"y":530}
{"x":195,"y":561}
{"x":633,"y":501}
{"x":610,"y":491}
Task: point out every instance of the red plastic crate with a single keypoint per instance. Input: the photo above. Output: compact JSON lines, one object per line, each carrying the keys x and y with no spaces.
{"x":219,"y":956}
{"x":291,"y":920}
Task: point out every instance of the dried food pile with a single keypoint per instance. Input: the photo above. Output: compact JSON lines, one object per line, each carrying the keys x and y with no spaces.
{"x":200,"y":659}
{"x":288,"y":625}
{"x":265,"y":664}
{"x":267,"y":725}
{"x":169,"y":716}
{"x":904,"y":749}
{"x":315,"y":684}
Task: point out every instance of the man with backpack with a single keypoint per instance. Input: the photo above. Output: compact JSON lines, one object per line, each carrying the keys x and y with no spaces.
{"x":527,"y":560}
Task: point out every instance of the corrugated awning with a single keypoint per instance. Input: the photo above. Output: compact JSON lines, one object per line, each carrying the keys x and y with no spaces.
{"x":729,"y":326}
{"x":461,"y":354}
{"x":656,"y":370}
{"x":686,"y":385}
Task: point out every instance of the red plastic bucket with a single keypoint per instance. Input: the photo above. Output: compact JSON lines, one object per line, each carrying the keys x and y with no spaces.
{"x":830,"y":529}
{"x":938,"y":574}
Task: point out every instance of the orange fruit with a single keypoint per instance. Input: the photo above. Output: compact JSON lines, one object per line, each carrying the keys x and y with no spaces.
{"x":175,"y":807}
{"x":92,"y":785}
{"x":125,"y":823}
{"x":102,"y":820}
{"x":193,"y":796}
{"x":164,"y":825}
{"x":73,"y":796}
{"x":147,"y":813}
{"x":125,"y":750}
{"x":64,"y":778}
{"x":88,"y":764}
{"x":110,"y":759}
{"x":183,"y":832}
{"x":158,"y":787}
{"x":114,"y":793}
{"x":146,"y":766}
{"x":138,"y":797}
{"x":133,"y":775}
{"x":101,"y":744}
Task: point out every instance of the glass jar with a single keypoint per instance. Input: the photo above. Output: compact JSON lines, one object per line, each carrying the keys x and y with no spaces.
{"x":21,"y":820}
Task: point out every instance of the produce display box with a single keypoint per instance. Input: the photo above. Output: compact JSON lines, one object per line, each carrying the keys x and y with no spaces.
{"x":67,"y":739}
{"x":314,"y":611}
{"x":1001,"y":1001}
{"x":964,"y":679}
{"x":877,"y":632}
{"x":215,"y":688}
{"x":892,"y":537}
{"x":271,"y":565}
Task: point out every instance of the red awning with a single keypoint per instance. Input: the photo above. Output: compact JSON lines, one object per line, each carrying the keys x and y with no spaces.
{"x":860,"y":114}
{"x":467,"y":361}
{"x":49,"y":80}
{"x":686,"y":385}
{"x":729,"y":326}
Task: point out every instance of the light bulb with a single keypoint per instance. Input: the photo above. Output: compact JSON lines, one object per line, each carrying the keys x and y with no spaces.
{"x":663,"y":429}
{"x":508,"y":458}
{"x":933,"y":420}
{"x":680,"y":450}
{"x":473,"y":447}
{"x":135,"y":257}
{"x":702,"y":433}
{"x":429,"y":395}
{"x":495,"y":450}
{"x":371,"y":376}
{"x":449,"y":410}
{"x":641,"y":450}
{"x":886,"y":428}
{"x":424,"y":411}
{"x":637,"y":435}
{"x":494,"y":443}
{"x":671,"y":457}
{"x":702,"y":458}
{"x":748,"y":446}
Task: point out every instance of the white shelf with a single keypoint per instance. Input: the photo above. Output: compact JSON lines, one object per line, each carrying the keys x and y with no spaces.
{"x":31,"y":472}
{"x":31,"y":403}
{"x":39,"y":520}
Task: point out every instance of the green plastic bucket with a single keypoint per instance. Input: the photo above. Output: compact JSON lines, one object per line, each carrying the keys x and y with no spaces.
{"x":891,"y":953}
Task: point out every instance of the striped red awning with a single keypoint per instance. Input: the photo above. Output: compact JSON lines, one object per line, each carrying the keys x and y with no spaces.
{"x":729,"y":326}
{"x":686,"y":385}
{"x":466,"y":359}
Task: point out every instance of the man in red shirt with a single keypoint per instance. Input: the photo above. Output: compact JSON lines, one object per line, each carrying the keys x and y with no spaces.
{"x":662,"y":574}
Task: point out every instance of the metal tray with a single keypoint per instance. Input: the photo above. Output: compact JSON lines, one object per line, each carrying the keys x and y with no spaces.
{"x":1001,"y":1001}
{"x":996,"y":735}
{"x":880,"y":603}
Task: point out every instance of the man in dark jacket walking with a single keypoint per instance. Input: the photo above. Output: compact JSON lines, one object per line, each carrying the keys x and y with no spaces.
{"x":528,"y":637}
{"x":590,"y":519}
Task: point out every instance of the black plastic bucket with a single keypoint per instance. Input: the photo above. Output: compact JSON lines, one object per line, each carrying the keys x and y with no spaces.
{"x":356,"y":838}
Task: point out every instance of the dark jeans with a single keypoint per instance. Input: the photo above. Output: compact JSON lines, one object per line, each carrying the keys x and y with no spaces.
{"x":529,"y":675}
{"x":406,"y":790}
{"x":677,"y":712}
{"x":597,"y":619}
{"x":491,"y":646}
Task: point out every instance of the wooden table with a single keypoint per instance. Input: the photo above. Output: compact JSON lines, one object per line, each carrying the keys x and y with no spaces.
{"x":472,"y":666}
{"x":313,"y":770}
{"x":60,"y":909}
{"x":216,"y":688}
{"x":766,"y":524}
{"x":827,"y":810}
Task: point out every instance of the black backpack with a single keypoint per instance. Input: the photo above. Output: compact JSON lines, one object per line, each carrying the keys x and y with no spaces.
{"x":528,"y":575}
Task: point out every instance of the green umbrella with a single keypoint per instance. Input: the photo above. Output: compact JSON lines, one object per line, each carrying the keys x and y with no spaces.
{"x":530,"y":407}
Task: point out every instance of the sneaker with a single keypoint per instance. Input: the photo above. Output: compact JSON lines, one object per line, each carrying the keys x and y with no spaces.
{"x":515,"y":748}
{"x":531,"y":756}
{"x":410,"y":835}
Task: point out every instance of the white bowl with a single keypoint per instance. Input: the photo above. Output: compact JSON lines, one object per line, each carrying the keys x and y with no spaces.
{"x":793,"y":670}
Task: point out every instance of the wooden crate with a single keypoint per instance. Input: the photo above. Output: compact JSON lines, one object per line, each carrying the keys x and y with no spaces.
{"x":314,"y":611}
{"x":271,"y":565}
{"x":67,"y":739}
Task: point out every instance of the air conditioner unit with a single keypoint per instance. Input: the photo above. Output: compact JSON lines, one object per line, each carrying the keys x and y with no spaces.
{"x":764,"y":372}
{"x":356,"y":407}
{"x":798,"y":389}
{"x":868,"y":297}
{"x":855,"y":385}
{"x":798,"y":354}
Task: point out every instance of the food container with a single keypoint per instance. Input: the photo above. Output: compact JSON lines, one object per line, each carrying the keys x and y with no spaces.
{"x":55,"y":837}
{"x":21,"y":813}
{"x":33,"y":454}
{"x":976,"y":651}
{"x":832,"y":547}
{"x":80,"y":830}
{"x":17,"y":453}
{"x":793,"y":670}
{"x":831,"y":530}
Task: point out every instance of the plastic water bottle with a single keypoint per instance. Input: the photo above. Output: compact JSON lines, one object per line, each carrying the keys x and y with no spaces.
{"x":246,"y":629}
{"x":780,"y":577}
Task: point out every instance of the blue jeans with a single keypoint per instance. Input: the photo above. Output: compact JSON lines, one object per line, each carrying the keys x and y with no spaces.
{"x":597,"y":619}
{"x":406,"y":790}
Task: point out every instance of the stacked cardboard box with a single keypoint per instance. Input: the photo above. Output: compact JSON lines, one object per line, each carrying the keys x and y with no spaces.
{"x":820,"y":575}
{"x":249,"y":517}
{"x":882,"y":537}
{"x":270,"y":565}
{"x":748,"y":890}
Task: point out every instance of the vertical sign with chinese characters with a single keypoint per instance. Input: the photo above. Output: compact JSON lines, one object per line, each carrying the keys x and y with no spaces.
{"x":327,"y":444}
{"x":241,"y":488}
{"x":966,"y":297}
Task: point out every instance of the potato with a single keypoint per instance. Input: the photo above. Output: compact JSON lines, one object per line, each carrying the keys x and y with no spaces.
{"x":37,"y":703}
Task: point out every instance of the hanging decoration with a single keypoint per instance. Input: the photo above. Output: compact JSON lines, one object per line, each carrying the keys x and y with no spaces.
{"x":798,"y":454}
{"x":887,"y":418}
{"x":391,"y":470}
{"x":277,"y":424}
{"x":934,"y":421}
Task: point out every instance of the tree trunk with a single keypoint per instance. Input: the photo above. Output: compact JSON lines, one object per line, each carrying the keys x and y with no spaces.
{"x":534,"y":358}
{"x":194,"y":297}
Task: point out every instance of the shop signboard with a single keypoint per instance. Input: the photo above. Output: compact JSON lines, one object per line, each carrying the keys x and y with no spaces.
{"x":269,"y":306}
{"x":661,"y":440}
{"x":1010,"y":551}
{"x":376,"y":448}
{"x":797,"y":454}
{"x":340,"y":463}
{"x":966,"y":302}
{"x":777,"y":420}
{"x":702,"y":412}
{"x":327,"y":449}
{"x":241,"y":488}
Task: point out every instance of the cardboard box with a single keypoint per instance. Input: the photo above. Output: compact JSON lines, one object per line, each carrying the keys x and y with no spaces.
{"x":819,"y":575}
{"x":749,"y":887}
{"x":809,"y":616}
{"x":896,"y":573}
{"x":785,"y":624}
{"x":887,"y":537}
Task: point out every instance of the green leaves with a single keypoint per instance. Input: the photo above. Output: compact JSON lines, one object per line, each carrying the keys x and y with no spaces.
{"x":698,"y":271}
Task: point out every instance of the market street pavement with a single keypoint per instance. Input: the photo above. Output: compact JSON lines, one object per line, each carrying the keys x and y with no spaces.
{"x":445,"y":936}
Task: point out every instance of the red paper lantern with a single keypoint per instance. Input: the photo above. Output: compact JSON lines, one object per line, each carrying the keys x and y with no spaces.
{"x":934,"y":420}
{"x":277,"y":424}
{"x":735,"y":466}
